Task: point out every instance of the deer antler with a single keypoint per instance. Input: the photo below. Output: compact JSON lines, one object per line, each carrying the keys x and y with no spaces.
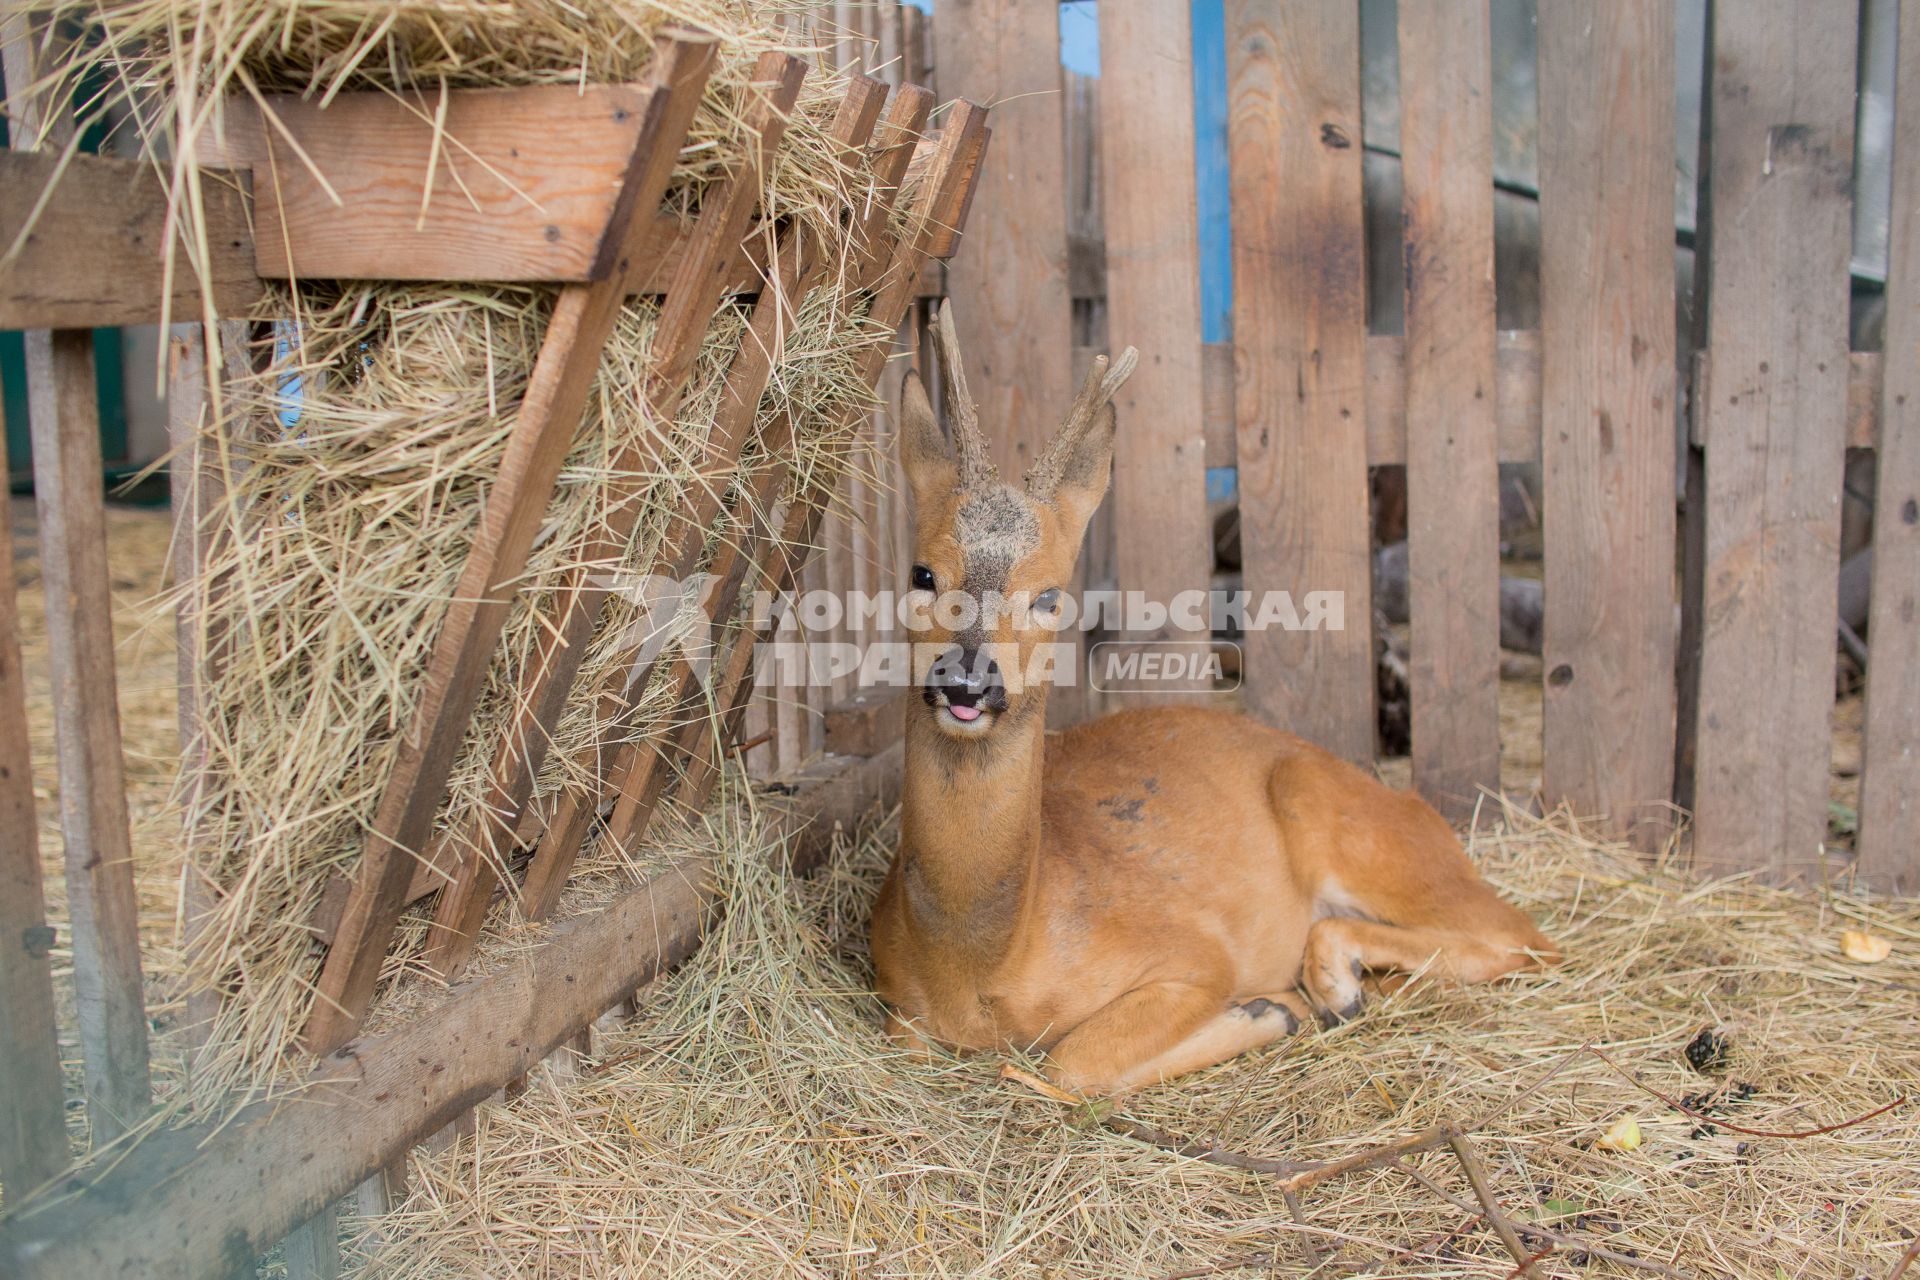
{"x":976,"y":468}
{"x":1095,"y":394}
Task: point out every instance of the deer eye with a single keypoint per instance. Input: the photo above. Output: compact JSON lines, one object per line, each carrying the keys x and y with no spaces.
{"x":1047,"y":601}
{"x":922,"y":578}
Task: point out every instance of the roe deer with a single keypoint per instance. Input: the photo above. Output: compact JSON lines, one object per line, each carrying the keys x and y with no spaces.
{"x":1140,"y":896}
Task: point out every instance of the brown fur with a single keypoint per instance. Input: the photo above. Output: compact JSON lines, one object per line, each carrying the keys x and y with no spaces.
{"x":1157,"y":891}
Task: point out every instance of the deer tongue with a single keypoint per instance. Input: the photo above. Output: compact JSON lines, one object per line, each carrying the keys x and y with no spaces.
{"x":963,"y":714}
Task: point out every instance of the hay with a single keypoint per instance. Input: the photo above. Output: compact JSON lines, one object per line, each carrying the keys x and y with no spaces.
{"x":359,"y":451}
{"x":752,"y":1121}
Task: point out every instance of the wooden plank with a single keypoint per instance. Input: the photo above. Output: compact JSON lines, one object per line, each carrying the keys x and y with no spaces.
{"x":1606,"y":214}
{"x":544,"y":427}
{"x":1009,"y":289}
{"x":206,"y":1200}
{"x":1890,"y":783}
{"x":197,"y":484}
{"x":93,"y":793}
{"x":1164,"y":546}
{"x":1453,"y":473}
{"x":501,"y":202}
{"x":65,"y":421}
{"x":114,"y":273}
{"x":33,"y":1131}
{"x":1777,"y":217}
{"x":312,"y":1249}
{"x":683,"y":326}
{"x":1299,"y":269}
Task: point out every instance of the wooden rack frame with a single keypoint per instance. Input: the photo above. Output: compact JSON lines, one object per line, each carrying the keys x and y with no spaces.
{"x":195,"y":1200}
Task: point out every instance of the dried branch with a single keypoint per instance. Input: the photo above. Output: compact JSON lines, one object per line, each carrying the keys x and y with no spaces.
{"x":1477,"y":1178}
{"x":1530,"y":1230}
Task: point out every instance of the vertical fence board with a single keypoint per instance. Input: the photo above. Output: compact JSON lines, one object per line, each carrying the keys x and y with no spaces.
{"x":1453,"y":473}
{"x":1607,"y":376}
{"x":1164,"y":545}
{"x":1778,"y":218}
{"x":33,"y":1134}
{"x":64,"y":418}
{"x":1009,"y":288}
{"x":1299,"y":315}
{"x":1890,"y":785}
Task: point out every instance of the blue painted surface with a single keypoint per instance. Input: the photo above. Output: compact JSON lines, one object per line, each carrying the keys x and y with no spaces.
{"x":1210,"y":169}
{"x":1080,"y":37}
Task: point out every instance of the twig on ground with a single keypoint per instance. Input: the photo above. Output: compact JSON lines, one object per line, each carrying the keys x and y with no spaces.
{"x":1684,"y":1109}
{"x":1316,"y":1257}
{"x":1477,"y":1177}
{"x":1530,"y":1230}
{"x":1906,"y":1259}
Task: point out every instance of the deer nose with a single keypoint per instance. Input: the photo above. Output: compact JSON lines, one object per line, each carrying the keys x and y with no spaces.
{"x":967,"y":676}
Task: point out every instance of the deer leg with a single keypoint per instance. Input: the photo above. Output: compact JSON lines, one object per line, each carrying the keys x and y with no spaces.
{"x":1156,"y":1032}
{"x":1341,"y":951}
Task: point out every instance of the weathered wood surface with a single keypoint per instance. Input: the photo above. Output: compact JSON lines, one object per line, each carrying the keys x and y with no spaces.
{"x":95,"y":246}
{"x":1516,"y":399}
{"x":1890,"y":783}
{"x":1164,"y":545}
{"x":549,"y":414}
{"x":430,"y":186}
{"x":195,"y":1202}
{"x":1777,"y":217}
{"x":1299,"y":322}
{"x":196,"y":483}
{"x":33,"y":1130}
{"x":684,"y":319}
{"x":94,"y":822}
{"x":1606,"y":179}
{"x":1453,"y":474}
{"x":64,"y":419}
{"x":1009,"y":290}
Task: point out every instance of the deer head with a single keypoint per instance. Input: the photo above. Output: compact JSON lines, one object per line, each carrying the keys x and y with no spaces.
{"x":992,"y":561}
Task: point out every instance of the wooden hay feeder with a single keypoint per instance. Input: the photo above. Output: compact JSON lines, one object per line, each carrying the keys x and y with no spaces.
{"x":586,"y":217}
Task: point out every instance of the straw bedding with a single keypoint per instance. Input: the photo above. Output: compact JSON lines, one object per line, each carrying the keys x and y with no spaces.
{"x":751,"y":1121}
{"x":359,"y":447}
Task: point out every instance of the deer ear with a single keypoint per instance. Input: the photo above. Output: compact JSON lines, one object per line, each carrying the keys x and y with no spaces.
{"x":1085,"y":470}
{"x":928,"y":459}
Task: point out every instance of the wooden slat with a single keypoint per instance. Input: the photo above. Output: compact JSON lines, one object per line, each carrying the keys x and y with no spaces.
{"x":1299,"y":322}
{"x":505,"y":204}
{"x":205,"y":1200}
{"x":645,"y":769}
{"x":95,"y":253}
{"x":33,"y":1132}
{"x":1453,"y":474}
{"x":1164,"y":545}
{"x":64,"y":417}
{"x":1777,"y":218}
{"x":312,"y":1249}
{"x":574,"y":810}
{"x":1606,"y":213}
{"x":196,"y":483}
{"x":543,"y":432}
{"x":1890,"y":783}
{"x":683,"y":325}
{"x":1009,"y":289}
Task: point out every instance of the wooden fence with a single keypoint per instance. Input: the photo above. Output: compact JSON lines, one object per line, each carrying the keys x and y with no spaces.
{"x":1689,"y":649}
